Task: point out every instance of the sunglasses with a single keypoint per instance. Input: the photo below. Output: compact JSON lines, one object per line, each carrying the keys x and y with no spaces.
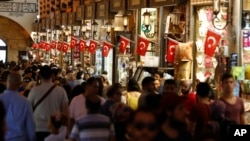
{"x":148,"y":126}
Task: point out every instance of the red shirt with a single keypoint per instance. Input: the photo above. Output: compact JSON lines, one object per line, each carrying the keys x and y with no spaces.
{"x":191,"y":101}
{"x":200,"y":114}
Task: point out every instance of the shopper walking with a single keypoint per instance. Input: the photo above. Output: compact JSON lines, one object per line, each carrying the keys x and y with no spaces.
{"x":19,"y":119}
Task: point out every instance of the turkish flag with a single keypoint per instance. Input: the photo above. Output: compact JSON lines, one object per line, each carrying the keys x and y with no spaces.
{"x":65,"y":47}
{"x":53,"y":44}
{"x":60,"y":46}
{"x":123,"y":44}
{"x":42,"y":45}
{"x":211,"y":42}
{"x":73,"y":42}
{"x":35,"y":45}
{"x":47,"y":47}
{"x":82,"y":45}
{"x":170,"y":52}
{"x":106,"y":46}
{"x":142,"y":46}
{"x":92,"y":46}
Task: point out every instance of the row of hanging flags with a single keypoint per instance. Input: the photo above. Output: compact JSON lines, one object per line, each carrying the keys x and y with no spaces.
{"x":211,"y":42}
{"x":142,"y":45}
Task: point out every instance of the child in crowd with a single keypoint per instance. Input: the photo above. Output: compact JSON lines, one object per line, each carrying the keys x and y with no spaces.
{"x":57,"y":127}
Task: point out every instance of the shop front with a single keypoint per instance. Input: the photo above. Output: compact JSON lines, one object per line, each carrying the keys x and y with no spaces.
{"x":220,"y":44}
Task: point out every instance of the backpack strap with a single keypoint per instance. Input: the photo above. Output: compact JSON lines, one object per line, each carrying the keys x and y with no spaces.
{"x":44,"y":96}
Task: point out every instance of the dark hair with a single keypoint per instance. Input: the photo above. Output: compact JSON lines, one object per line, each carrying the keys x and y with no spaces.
{"x":93,"y":104}
{"x":153,"y":102}
{"x":54,"y":71}
{"x":170,"y":82}
{"x":45,"y":72}
{"x":147,"y":80}
{"x":2,"y":120}
{"x":79,"y":75}
{"x":105,"y":72}
{"x":132,"y":86}
{"x":203,"y":89}
{"x":226,"y":76}
{"x":91,"y":80}
{"x":57,"y":123}
{"x":78,"y":89}
{"x":112,"y":90}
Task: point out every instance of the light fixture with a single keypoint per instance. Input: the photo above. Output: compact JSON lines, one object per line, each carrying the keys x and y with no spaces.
{"x":125,"y":22}
{"x":95,"y":28}
{"x":108,"y":30}
{"x":220,"y":20}
{"x":146,"y":20}
{"x":147,"y":27}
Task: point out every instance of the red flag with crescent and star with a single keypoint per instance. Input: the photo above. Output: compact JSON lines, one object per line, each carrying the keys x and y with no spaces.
{"x":65,"y":47}
{"x":170,"y":52}
{"x":42,"y":45}
{"x":47,"y":47}
{"x":82,"y":45}
{"x":142,"y":46}
{"x":92,"y":46}
{"x":53,"y":44}
{"x":35,"y":45}
{"x":73,"y":42}
{"x":60,"y":46}
{"x":106,"y":46}
{"x":211,"y":42}
{"x":123,"y":44}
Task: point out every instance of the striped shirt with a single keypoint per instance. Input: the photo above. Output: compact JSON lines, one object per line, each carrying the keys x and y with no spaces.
{"x":93,"y":127}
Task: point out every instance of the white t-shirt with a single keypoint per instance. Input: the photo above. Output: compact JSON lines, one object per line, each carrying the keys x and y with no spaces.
{"x":57,"y":137}
{"x":77,"y":107}
{"x":50,"y":105}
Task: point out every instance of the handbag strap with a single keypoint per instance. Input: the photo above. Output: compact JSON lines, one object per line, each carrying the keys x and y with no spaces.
{"x":44,"y":96}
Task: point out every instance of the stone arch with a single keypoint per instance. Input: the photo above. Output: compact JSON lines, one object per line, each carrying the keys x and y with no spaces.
{"x":15,"y":36}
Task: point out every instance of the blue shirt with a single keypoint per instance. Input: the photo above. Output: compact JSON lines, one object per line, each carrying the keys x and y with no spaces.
{"x":19,"y":118}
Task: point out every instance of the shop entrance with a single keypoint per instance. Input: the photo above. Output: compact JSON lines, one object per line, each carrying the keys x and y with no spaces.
{"x":3,"y":51}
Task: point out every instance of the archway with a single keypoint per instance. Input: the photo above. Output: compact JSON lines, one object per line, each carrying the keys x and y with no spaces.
{"x":15,"y":37}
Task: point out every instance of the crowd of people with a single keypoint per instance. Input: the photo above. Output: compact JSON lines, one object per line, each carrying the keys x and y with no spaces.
{"x":45,"y":103}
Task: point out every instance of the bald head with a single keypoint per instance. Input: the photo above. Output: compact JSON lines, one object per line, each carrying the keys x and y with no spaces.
{"x":185,"y":86}
{"x":13,"y":81}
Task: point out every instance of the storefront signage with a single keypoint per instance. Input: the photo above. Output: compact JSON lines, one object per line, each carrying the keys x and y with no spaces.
{"x":80,"y":13}
{"x":151,"y":61}
{"x":64,"y":19}
{"x":18,"y":8}
{"x":102,"y":10}
{"x":116,"y":5}
{"x":58,"y":19}
{"x":71,"y":18}
{"x":89,"y":11}
{"x":135,"y":4}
